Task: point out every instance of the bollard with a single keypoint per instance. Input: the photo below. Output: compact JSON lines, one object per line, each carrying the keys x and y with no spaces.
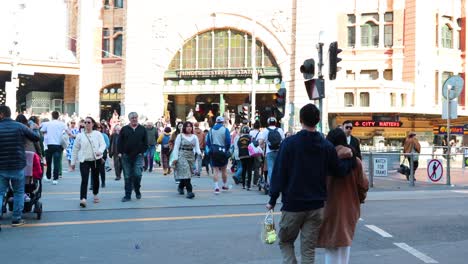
{"x":371,"y":170}
{"x":411,"y":165}
{"x":448,"y":164}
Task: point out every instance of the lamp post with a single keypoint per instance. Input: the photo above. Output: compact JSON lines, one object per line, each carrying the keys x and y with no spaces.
{"x":253,"y":52}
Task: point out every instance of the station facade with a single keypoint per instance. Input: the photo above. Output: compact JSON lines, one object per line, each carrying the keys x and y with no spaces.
{"x":164,"y":60}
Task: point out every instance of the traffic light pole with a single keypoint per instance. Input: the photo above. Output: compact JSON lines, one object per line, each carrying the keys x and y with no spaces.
{"x":254,"y":75}
{"x":320,"y":76}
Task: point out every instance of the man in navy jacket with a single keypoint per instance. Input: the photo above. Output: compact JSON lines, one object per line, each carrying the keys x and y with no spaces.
{"x":13,"y":160}
{"x":303,"y":163}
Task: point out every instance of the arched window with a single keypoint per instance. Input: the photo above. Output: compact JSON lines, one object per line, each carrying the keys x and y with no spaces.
{"x":370,"y":35}
{"x":447,"y":37}
{"x":222,"y":49}
{"x":237,"y":50}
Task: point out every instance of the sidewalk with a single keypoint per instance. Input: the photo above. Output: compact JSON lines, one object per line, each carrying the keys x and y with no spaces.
{"x":397,"y":181}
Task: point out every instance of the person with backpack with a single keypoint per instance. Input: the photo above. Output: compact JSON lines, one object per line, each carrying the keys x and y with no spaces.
{"x":242,"y":147}
{"x":163,"y":140}
{"x":257,"y":161}
{"x":271,"y":138}
{"x":219,"y":142}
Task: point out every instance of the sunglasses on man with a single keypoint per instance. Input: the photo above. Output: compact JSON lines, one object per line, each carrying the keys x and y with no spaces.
{"x":349,"y":127}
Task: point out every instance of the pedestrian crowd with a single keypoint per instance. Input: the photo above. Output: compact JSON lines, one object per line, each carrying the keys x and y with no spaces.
{"x":319,"y":178}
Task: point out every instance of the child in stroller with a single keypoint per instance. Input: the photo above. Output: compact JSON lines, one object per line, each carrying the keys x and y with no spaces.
{"x":32,"y":188}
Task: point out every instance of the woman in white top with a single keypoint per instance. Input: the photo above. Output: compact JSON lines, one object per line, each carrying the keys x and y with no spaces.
{"x":88,"y":149}
{"x":185,"y":147}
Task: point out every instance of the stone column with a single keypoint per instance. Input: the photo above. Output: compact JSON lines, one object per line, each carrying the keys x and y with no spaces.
{"x":88,"y":52}
{"x":144,"y":77}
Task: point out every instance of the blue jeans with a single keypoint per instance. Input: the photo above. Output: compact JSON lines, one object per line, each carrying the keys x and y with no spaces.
{"x":132,"y":170}
{"x":149,"y":157}
{"x":271,"y":157}
{"x":238,"y":173}
{"x":16,"y":177}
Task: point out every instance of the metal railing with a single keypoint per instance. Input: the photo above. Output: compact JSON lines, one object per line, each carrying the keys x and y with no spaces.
{"x":394,"y":157}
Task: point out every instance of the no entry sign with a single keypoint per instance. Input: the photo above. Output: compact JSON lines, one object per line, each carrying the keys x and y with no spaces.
{"x":435,"y":171}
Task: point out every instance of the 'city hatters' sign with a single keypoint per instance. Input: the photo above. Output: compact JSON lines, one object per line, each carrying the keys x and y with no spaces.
{"x":366,"y":123}
{"x":210,"y":73}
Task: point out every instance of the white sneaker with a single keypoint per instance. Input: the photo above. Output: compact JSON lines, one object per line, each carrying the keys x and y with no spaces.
{"x":46,"y":180}
{"x":54,"y":182}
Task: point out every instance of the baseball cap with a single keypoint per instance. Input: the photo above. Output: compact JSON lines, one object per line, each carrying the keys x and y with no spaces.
{"x":219,"y":119}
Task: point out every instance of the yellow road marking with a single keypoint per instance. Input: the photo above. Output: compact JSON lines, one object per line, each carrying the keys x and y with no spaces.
{"x":151,"y":219}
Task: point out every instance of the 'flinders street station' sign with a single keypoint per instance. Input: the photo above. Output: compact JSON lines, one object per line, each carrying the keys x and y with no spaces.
{"x":219,"y":73}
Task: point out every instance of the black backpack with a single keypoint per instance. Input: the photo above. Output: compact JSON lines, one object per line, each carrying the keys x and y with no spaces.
{"x":274,"y":139}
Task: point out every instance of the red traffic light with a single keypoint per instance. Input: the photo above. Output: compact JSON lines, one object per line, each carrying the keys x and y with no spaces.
{"x":281,"y":97}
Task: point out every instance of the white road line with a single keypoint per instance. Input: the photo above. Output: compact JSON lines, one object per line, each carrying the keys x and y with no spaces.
{"x":416,"y":253}
{"x":378,"y":231}
{"x":460,"y":191}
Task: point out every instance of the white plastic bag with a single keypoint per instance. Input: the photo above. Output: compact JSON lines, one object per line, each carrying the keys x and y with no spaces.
{"x":268,"y":234}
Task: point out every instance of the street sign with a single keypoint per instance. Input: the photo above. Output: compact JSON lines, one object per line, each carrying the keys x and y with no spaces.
{"x":435,"y":171}
{"x":380,"y":167}
{"x":452,"y":87}
{"x":454,"y":130}
{"x":370,"y":123}
{"x":465,"y":158}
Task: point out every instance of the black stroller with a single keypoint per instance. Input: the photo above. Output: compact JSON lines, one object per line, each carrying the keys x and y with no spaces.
{"x":33,"y":192}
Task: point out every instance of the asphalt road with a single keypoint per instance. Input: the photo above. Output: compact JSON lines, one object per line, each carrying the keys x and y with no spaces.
{"x":414,"y":225}
{"x":430,"y":230}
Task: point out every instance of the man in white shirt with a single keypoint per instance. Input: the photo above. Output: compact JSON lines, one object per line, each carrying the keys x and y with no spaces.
{"x":265,"y":140}
{"x":53,"y":130}
{"x":255,"y":135}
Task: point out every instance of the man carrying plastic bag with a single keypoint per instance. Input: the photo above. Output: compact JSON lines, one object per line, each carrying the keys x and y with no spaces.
{"x":299,"y":175}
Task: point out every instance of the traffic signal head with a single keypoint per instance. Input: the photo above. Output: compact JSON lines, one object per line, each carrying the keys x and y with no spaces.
{"x":333,"y":59}
{"x":281,"y":97}
{"x":308,"y":68}
{"x":245,"y":112}
{"x":245,"y":109}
